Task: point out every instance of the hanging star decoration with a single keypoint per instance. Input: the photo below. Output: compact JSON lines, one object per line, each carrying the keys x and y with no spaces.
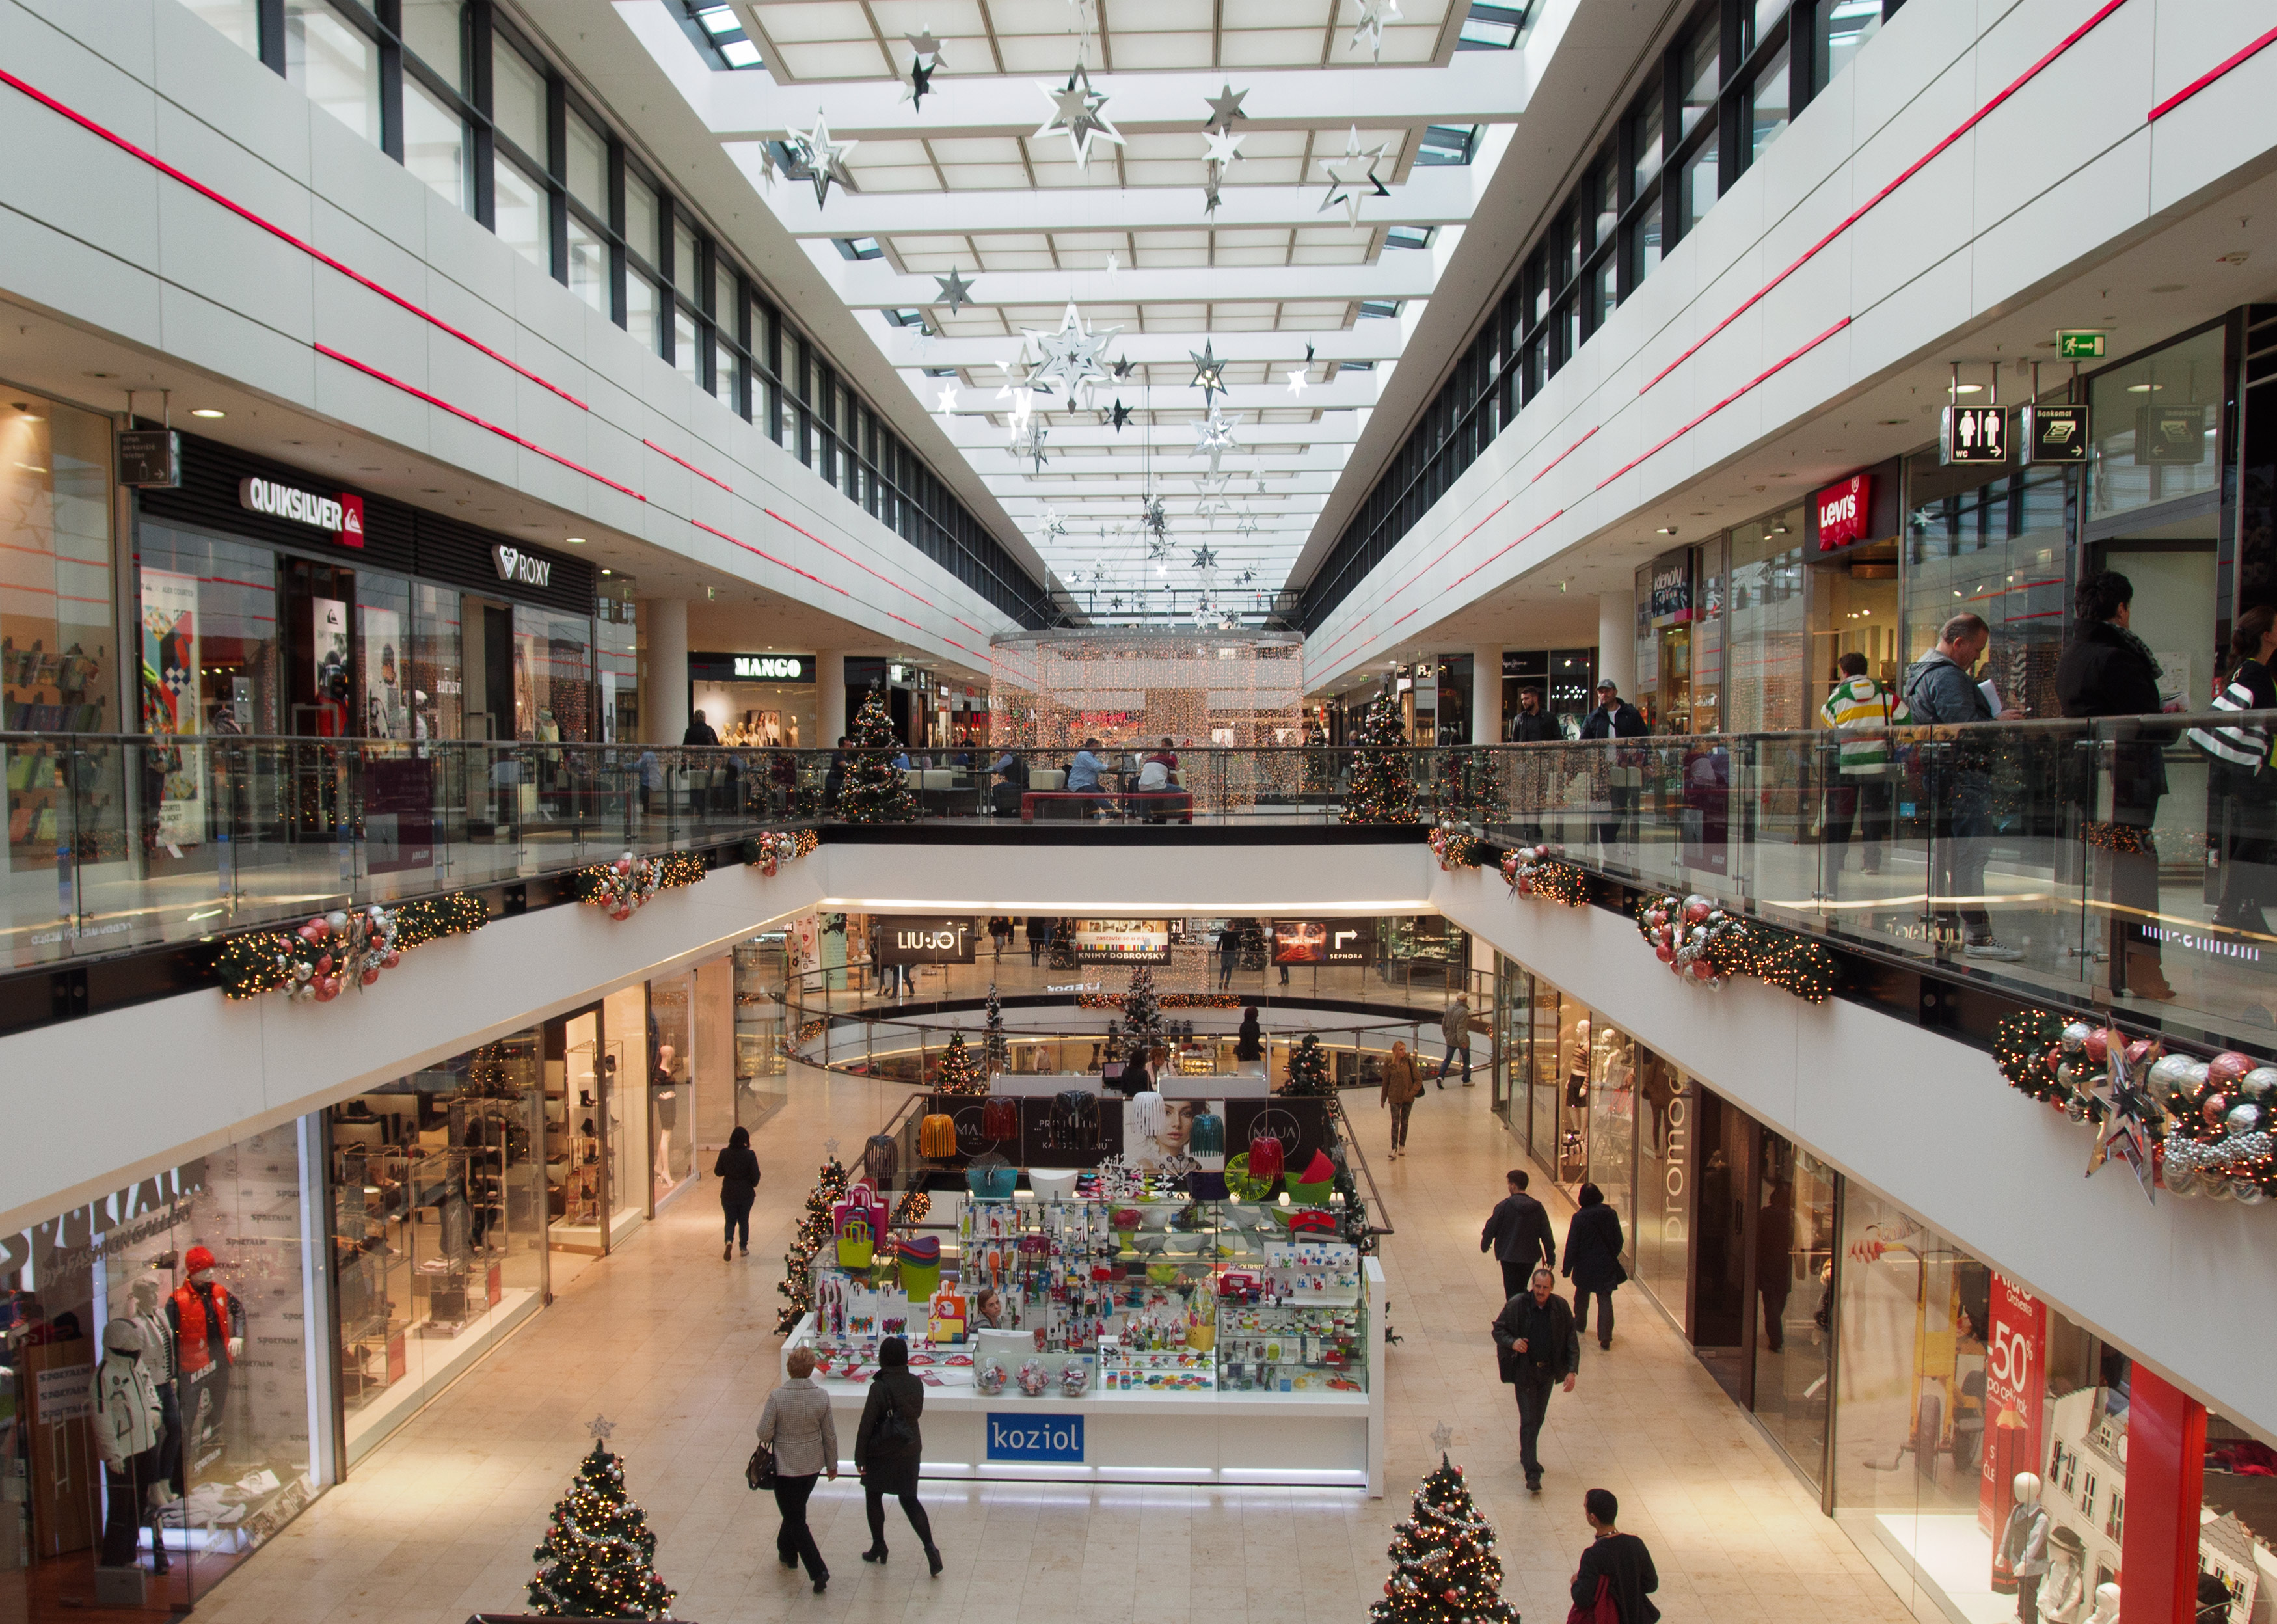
{"x":1076,"y":114}
{"x":1028,"y":444}
{"x":1247,"y":527}
{"x":947,"y":400}
{"x":1123,"y":366}
{"x":1209,"y":371}
{"x":1210,"y":179}
{"x":1214,"y":437}
{"x":1204,"y":558}
{"x":1213,"y":503}
{"x":1355,"y":168}
{"x":1055,"y":527}
{"x":1072,"y":353}
{"x":918,"y":82}
{"x":955,"y":290}
{"x":1225,"y":107}
{"x":1154,"y":516}
{"x":1374,"y":14}
{"x":600,"y":1427}
{"x":1110,"y":265}
{"x":1224,"y":150}
{"x":926,"y":45}
{"x":1442,"y":1439}
{"x":1296,"y":380}
{"x":1117,"y":416}
{"x":2128,"y":1111}
{"x":820,"y":159}
{"x":769,"y":171}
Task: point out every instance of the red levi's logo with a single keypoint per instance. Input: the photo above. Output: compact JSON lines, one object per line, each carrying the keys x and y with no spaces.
{"x":1842,"y":511}
{"x":351,"y":530}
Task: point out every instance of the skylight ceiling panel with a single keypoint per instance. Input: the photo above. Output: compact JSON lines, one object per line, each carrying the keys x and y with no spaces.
{"x":1313,"y":15}
{"x":1125,"y":17}
{"x":1355,"y":254}
{"x":1248,"y":257}
{"x":1310,"y":316}
{"x":950,"y":21}
{"x":1164,"y":143}
{"x":1174,"y":323}
{"x":1401,"y":44}
{"x":1272,"y":48}
{"x":1067,"y":175}
{"x":933,"y":264}
{"x":1167,"y":172}
{"x":898,"y":178}
{"x":1049,"y":54}
{"x":1183,"y":49}
{"x":1163,"y":239}
{"x":984,"y":177}
{"x":1297,"y":417}
{"x":1032,"y":315}
{"x":1089,"y":250}
{"x":807,"y":22}
{"x":1022,"y":242}
{"x":1252,"y":237}
{"x":907,"y":246}
{"x":849,"y":60}
{"x":886,"y":155}
{"x":1257,"y":144}
{"x":977,"y":149}
{"x":1337,"y":236}
{"x":1269,"y":172}
{"x":998,"y":259}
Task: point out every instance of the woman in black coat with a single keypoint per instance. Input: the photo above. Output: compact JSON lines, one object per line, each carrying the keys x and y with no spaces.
{"x":1593,"y":1262}
{"x":737,"y":1170}
{"x":1249,"y":1042}
{"x":887,"y":1448}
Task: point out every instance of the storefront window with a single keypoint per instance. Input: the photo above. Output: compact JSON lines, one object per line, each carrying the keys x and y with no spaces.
{"x":1546,"y":1083}
{"x":1612,"y":1119}
{"x":438,"y":1228}
{"x":1766,"y":686}
{"x":1996,"y":548}
{"x":672,"y":1083}
{"x":617,"y":667}
{"x":552,"y":676}
{"x":1660,"y":1236}
{"x":769,"y":713}
{"x":762,"y":971}
{"x":625,"y":1048}
{"x":1794,"y":1292}
{"x":2157,"y":425}
{"x":383,"y":629}
{"x":437,"y":671}
{"x":213,"y":1262}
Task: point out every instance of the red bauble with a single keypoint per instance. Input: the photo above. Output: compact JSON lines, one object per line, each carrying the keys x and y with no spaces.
{"x":324,"y":964}
{"x":1665,"y":952}
{"x":1523,"y":886}
{"x":2228,"y":1069}
{"x":1695,"y":912}
{"x":1657,"y":917}
{"x":2141,"y":1050}
{"x":327,"y":990}
{"x":370,"y":976}
{"x":1703,"y":969}
{"x":2216,"y":1106}
{"x":390,"y":961}
{"x":2055,"y":1058}
{"x":2099,"y":1048}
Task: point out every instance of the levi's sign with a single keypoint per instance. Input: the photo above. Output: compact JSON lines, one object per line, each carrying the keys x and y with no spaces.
{"x":1843,"y":511}
{"x":1025,"y":1437}
{"x":342,"y":515}
{"x":517,"y":566}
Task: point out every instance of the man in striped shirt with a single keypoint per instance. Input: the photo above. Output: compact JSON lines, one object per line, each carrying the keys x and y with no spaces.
{"x":1861,"y":712}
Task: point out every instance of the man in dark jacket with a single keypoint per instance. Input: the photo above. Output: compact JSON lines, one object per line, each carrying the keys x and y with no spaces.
{"x":1615,"y":718}
{"x":1530,"y":776}
{"x":1532,"y":725}
{"x":1620,"y":1560}
{"x":699,"y":731}
{"x":1533,"y":1335}
{"x":1939,"y":689}
{"x":1593,"y":1262}
{"x":1518,"y":1233}
{"x":2107,"y":671}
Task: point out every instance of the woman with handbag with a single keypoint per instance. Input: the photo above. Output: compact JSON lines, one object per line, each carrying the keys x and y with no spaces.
{"x":1593,"y":1262}
{"x":1402,"y":1086}
{"x":1615,"y":1582}
{"x":797,"y":1429}
{"x":887,"y":1448}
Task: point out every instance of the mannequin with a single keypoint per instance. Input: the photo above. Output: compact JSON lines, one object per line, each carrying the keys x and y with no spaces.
{"x":128,"y":1424}
{"x":2024,"y":1545}
{"x":209,"y":1331}
{"x":664,"y":1103}
{"x":1577,"y":1081}
{"x":2107,"y":1605}
{"x":158,"y":1360}
{"x":2061,"y":1591}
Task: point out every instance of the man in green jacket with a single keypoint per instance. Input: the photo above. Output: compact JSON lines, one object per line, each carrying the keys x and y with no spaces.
{"x":1860,"y":713}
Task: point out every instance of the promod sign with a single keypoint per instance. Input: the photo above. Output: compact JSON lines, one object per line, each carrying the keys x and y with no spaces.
{"x":1844,"y":511}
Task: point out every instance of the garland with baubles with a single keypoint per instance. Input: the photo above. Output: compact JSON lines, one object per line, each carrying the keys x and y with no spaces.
{"x":332,"y":951}
{"x":1456,"y":848}
{"x":769,"y":852}
{"x":1530,"y":871}
{"x":1165,"y":1001}
{"x":1699,"y":939}
{"x":623,"y":888}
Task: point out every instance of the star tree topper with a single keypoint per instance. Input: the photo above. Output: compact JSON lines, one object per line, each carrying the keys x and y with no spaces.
{"x":1076,"y":114}
{"x":1442,"y":1438}
{"x":600,"y":1427}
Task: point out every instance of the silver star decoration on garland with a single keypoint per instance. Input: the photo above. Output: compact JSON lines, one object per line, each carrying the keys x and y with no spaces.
{"x":1072,"y":352}
{"x":1154,"y":517}
{"x":822,"y":159}
{"x":1076,"y":114}
{"x":1209,"y":371}
{"x":955,"y":290}
{"x":1356,"y":168}
{"x":1225,"y":107}
{"x":1214,"y":437}
{"x":1374,"y":14}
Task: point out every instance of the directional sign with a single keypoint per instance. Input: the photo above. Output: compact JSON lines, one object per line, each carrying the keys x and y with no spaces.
{"x":1974,"y":434}
{"x":2053,"y":434}
{"x":2079,"y":346}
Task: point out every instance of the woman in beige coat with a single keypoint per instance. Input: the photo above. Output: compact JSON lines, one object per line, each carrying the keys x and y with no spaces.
{"x":797,"y":1421}
{"x":1402,"y":1083}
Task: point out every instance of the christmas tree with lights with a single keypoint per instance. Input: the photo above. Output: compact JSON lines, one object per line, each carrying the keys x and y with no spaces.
{"x":873,"y":789}
{"x":960,"y":1071}
{"x":1308,"y":1069}
{"x":813,"y":1231}
{"x":596,"y":1558}
{"x":1445,"y":1570}
{"x":1142,"y":1014}
{"x":1379,"y":791}
{"x":995,"y":1053}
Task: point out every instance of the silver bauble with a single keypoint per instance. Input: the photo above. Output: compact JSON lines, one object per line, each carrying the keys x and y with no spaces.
{"x":2216,"y":1187}
{"x":2245,"y":1192}
{"x":2167,"y":1073}
{"x":2242,"y":1119}
{"x":2259,"y":1083}
{"x":2198,"y":1074}
{"x":2180,"y":1181}
{"x":2075,"y":1036}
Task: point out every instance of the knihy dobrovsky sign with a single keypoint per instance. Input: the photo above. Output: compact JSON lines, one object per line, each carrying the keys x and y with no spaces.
{"x":515,"y":565}
{"x":342,"y":515}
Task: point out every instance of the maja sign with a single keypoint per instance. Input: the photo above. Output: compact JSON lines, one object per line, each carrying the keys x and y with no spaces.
{"x":341,"y":514}
{"x":1843,"y":511}
{"x":525,"y":568}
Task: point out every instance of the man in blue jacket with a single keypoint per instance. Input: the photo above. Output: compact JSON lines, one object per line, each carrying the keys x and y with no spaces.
{"x":1938,"y":687}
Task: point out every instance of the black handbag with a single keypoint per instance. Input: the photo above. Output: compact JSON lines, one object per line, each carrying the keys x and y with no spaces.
{"x":759,"y":1471}
{"x":1506,"y":1363}
{"x":893,"y":1434}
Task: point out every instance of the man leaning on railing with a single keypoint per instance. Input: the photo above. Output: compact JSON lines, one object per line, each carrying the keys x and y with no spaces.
{"x":1939,"y":688}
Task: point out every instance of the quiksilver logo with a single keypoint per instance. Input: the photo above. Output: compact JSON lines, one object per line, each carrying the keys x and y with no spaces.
{"x":515,"y":565}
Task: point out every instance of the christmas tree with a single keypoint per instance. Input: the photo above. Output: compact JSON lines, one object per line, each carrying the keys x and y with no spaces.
{"x":1379,"y":791}
{"x":959,"y":1072}
{"x":813,"y":1231}
{"x":1308,"y":1069}
{"x":873,"y":790}
{"x":595,"y":1559}
{"x":1251,"y":935}
{"x":995,"y":1053}
{"x":1445,"y":1570}
{"x":1142,"y":1014}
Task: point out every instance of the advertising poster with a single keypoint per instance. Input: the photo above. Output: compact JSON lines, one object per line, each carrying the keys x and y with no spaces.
{"x":1155,"y":1132}
{"x":1122,"y":942}
{"x":328,"y":662}
{"x":1321,"y":941}
{"x":386,"y":716}
{"x":171,"y":697}
{"x":2015,"y":1360}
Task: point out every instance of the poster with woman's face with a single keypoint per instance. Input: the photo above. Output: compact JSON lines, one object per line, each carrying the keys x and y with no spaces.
{"x":1176,"y":1131}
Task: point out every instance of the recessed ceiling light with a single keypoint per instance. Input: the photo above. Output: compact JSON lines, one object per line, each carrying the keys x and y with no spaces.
{"x":576,"y":541}
{"x":1667,"y":530}
{"x":2144,"y":388}
{"x":608,"y":572}
{"x":1969,"y":389}
{"x":102,"y":375}
{"x":208,"y":411}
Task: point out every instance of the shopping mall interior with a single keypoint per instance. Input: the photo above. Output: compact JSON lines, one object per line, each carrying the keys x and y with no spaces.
{"x":1460,"y":613}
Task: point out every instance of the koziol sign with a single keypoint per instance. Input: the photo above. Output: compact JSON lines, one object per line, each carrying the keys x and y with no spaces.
{"x":1025,"y":1437}
{"x":522,"y":567}
{"x":342,"y":515}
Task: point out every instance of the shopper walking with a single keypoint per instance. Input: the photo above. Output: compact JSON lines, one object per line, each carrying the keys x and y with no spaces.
{"x":737,"y":1170}
{"x":1039,"y":933}
{"x":1860,"y":713}
{"x":1401,"y":1085}
{"x":2109,"y":671}
{"x":1593,"y":1262}
{"x":1455,"y":1030}
{"x":1615,"y":718}
{"x":2244,"y":835}
{"x":1938,"y":690}
{"x":796,"y":1424}
{"x":1228,"y":954}
{"x":1518,"y":1234}
{"x":1249,"y":1042}
{"x":1616,"y":1563}
{"x":1538,"y":1349}
{"x":887,"y":1448}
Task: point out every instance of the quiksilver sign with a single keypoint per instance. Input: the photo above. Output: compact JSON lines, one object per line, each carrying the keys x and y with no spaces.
{"x":522,"y":567}
{"x":342,"y":514}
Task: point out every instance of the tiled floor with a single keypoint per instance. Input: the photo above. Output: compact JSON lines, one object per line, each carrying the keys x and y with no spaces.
{"x":677,"y":1347}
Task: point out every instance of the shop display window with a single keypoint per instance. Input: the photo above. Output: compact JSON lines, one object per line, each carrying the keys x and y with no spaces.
{"x":1546,"y":1085}
{"x":2155,"y":423}
{"x":1766,"y":685}
{"x":671,"y":1084}
{"x":552,"y":676}
{"x":438,"y":676}
{"x":438,"y":1231}
{"x":1612,"y":1118}
{"x":1999,"y":548}
{"x":1794,"y":1299}
{"x":762,"y":974}
{"x":383,"y":630}
{"x":213,"y":1263}
{"x":1660,"y":1231}
{"x":594,"y":1102}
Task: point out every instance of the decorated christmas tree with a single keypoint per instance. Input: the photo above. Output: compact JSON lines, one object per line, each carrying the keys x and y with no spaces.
{"x":1445,"y":1570}
{"x":1309,"y":1072}
{"x":874,"y":790}
{"x":1251,"y":934}
{"x":1379,"y":791}
{"x":995,"y":1053}
{"x":959,"y":1071}
{"x":595,"y":1559}
{"x":1142,"y":1014}
{"x":813,"y":1231}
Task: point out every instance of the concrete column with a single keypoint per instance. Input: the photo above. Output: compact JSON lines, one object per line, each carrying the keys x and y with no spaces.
{"x":1617,"y":640}
{"x":664,"y":689}
{"x":830,"y":698}
{"x":1486,"y":696}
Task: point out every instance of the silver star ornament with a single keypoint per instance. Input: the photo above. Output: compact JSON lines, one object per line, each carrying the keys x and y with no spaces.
{"x":955,"y":290}
{"x":1076,"y":114}
{"x":1374,"y":14}
{"x":823,"y":159}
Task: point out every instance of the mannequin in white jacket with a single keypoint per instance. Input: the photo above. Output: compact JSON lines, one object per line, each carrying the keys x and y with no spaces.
{"x":128,"y":1424}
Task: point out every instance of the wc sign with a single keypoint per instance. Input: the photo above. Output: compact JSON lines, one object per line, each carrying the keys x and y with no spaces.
{"x":1025,"y":1437}
{"x":1843,"y":511}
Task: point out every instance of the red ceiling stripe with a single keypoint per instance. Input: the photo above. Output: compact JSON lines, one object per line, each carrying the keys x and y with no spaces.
{"x":888,"y":579}
{"x":280,"y":233}
{"x":1791,"y":356}
{"x":690,"y":467}
{"x":1907,"y":174}
{"x":763,"y":552}
{"x":1562,"y":455}
{"x":480,"y":423}
{"x":2207,"y":78}
{"x":1491,"y":558}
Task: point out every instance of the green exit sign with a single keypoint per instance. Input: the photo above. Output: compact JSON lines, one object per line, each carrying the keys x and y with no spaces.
{"x":2080,"y":345}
